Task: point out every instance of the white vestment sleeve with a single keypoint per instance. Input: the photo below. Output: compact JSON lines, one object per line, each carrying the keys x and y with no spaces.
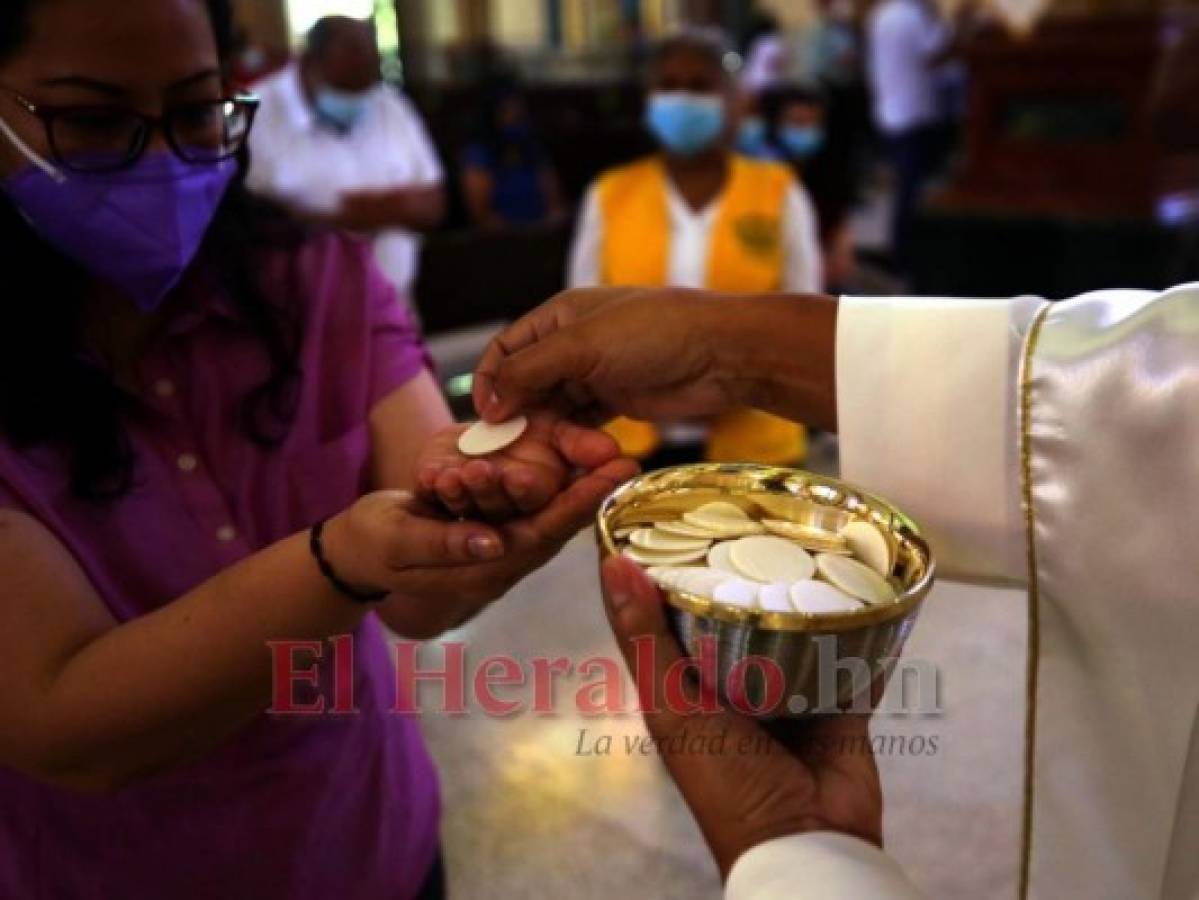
{"x":821,"y":865}
{"x":584,"y":269}
{"x":927,"y":409}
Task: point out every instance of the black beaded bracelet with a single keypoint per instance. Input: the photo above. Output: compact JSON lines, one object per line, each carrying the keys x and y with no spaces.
{"x":318,"y":553}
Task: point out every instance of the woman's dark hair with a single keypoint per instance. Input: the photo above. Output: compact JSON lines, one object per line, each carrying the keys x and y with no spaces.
{"x":51,"y":395}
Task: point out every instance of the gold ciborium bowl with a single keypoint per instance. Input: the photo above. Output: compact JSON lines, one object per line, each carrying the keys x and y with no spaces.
{"x":826,"y":661}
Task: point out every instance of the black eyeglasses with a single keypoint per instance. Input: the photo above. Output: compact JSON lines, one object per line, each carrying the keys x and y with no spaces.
{"x":91,"y":139}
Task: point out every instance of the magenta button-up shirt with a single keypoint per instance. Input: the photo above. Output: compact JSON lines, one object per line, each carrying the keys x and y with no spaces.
{"x":291,"y":808}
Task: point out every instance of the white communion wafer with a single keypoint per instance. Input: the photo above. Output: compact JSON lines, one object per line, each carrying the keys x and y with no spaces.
{"x":808,"y":536}
{"x":483,"y":438}
{"x":718,"y":558}
{"x":653,"y":539}
{"x":725,"y":520}
{"x":727,"y":527}
{"x":720,"y":509}
{"x":775,"y":598}
{"x":817,"y":597}
{"x":737,"y":592}
{"x":663,"y":557}
{"x":870,"y":546}
{"x":854,"y":578}
{"x":667,"y":576}
{"x":682,"y":529}
{"x":768,"y":558}
{"x":699,"y":581}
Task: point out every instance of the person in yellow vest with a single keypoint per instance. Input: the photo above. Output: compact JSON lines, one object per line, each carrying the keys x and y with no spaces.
{"x":698,"y":215}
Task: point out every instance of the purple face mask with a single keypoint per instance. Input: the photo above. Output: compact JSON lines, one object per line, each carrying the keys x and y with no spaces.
{"x":138,"y":229}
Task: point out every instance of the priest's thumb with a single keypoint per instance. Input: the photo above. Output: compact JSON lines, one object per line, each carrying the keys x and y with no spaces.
{"x":636,"y":613}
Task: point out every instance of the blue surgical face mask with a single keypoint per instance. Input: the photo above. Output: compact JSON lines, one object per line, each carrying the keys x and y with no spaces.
{"x":341,"y":108}
{"x":685,"y":123}
{"x":751,"y":137}
{"x":802,"y":141}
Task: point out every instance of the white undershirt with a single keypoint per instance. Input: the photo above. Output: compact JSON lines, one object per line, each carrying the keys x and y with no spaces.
{"x":691,"y":242}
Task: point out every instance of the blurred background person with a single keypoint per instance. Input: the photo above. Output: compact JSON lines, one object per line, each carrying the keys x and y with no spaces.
{"x":799,"y":132}
{"x":767,"y":53}
{"x":908,"y":40}
{"x":697,"y":215}
{"x":251,"y":61}
{"x":507,"y":176}
{"x":751,"y":131}
{"x":340,"y":148}
{"x":1175,"y":117}
{"x":832,"y":51}
{"x":833,"y":59}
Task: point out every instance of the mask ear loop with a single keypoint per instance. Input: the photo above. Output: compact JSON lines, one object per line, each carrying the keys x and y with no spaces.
{"x":29,"y":154}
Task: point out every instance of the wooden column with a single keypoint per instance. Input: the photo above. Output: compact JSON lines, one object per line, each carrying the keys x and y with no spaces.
{"x":265,"y":23}
{"x":475,"y":16}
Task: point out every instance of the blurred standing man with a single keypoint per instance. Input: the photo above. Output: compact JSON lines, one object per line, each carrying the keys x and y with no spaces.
{"x":908,"y":40}
{"x":339,"y":147}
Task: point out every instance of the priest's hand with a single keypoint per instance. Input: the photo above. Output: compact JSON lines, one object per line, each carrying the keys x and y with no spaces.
{"x":765,"y":782}
{"x":664,"y":353}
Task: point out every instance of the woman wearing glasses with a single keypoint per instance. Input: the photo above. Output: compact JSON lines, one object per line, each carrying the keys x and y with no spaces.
{"x":187,"y":387}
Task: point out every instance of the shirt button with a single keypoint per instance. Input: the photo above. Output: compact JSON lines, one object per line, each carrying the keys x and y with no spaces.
{"x":226,"y":534}
{"x":188,"y":463}
{"x":164,"y":388}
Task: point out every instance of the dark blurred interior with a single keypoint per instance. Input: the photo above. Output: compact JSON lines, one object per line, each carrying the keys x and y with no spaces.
{"x":1056,"y":180}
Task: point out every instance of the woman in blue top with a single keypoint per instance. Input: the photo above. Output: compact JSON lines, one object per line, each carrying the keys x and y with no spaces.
{"x":507,"y":177}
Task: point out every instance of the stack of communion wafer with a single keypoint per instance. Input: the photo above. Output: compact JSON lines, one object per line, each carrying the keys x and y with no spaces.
{"x":719,"y":551}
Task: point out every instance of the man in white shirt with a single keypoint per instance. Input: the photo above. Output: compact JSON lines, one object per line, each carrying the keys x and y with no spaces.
{"x":337,"y":146}
{"x":1048,"y":445}
{"x":907,"y":40}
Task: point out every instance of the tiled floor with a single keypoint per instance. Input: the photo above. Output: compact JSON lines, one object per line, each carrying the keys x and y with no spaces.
{"x":527,"y":816}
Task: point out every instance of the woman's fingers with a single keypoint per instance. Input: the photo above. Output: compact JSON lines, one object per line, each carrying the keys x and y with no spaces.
{"x":430,"y":543}
{"x":530,"y":488}
{"x":570,"y":512}
{"x":426,"y":480}
{"x":484,"y":486}
{"x":389,"y":527}
{"x":452,"y":492}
